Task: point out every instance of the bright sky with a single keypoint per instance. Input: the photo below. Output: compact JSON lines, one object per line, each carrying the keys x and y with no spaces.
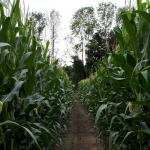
{"x":66,"y":9}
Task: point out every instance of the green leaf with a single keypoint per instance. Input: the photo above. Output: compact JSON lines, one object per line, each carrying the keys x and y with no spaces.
{"x":119,"y":105}
{"x":2,"y":136}
{"x":17,"y":29}
{"x":100,"y":62}
{"x":12,"y":123}
{"x":33,"y":137}
{"x":145,"y":43}
{"x":24,"y":58}
{"x":132,"y":32}
{"x":142,"y":103}
{"x":46,"y":129}
{"x":139,"y":4}
{"x":45,"y":139}
{"x":144,"y":75}
{"x":9,"y":97}
{"x":145,"y":68}
{"x":111,"y":137}
{"x":8,"y":122}
{"x":145,"y":127}
{"x":5,"y":28}
{"x":4,"y":44}
{"x":23,"y":73}
{"x":102,"y":107}
{"x":131,"y":115}
{"x":3,"y":55}
{"x":120,"y":60}
{"x":112,"y":120}
{"x":131,"y":60}
{"x":2,"y":14}
{"x":125,"y":138}
{"x":119,"y":36}
{"x":138,"y":67}
{"x":4,"y":4}
{"x":46,"y":49}
{"x":145,"y":15}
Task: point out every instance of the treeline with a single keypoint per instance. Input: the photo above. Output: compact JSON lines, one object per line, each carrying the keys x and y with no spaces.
{"x":95,"y":38}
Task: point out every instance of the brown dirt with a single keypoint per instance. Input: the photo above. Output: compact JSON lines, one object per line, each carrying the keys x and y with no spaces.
{"x":78,"y":136}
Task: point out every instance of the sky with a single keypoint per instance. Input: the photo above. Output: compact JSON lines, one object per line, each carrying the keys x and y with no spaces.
{"x":67,"y":9}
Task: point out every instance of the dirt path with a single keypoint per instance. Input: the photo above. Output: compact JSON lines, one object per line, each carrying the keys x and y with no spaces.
{"x":78,"y":137}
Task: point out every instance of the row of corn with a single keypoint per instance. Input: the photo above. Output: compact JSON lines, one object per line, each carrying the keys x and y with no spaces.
{"x":118,"y":96}
{"x":35,"y":95}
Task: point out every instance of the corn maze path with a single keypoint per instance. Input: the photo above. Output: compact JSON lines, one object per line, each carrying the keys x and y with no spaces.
{"x":78,"y":137}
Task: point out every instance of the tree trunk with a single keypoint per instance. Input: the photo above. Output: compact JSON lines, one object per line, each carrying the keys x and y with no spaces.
{"x":82,"y":53}
{"x":53,"y":44}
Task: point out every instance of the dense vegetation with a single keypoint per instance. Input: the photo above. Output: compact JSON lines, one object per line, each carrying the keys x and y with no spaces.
{"x":118,"y":96}
{"x":35,"y":95}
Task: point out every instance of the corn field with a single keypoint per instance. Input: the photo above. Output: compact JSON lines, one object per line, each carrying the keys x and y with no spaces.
{"x":118,"y":95}
{"x":35,"y":95}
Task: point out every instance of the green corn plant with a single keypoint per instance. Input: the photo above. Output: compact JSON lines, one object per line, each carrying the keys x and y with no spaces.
{"x":35,"y":95}
{"x":123,"y":78}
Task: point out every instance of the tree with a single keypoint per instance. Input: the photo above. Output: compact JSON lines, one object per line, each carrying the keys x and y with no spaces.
{"x":69,"y":71}
{"x":83,"y":24}
{"x":70,"y":50}
{"x":106,"y":13}
{"x":112,"y":41}
{"x":78,"y":70}
{"x":72,"y":47}
{"x":39,"y":21}
{"x":54,"y":22}
{"x":96,"y":50}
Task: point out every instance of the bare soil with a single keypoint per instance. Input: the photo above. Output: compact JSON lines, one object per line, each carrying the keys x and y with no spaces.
{"x":78,"y":136}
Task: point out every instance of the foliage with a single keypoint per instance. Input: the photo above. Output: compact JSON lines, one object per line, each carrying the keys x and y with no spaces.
{"x":105,"y":13}
{"x":78,"y":71}
{"x":35,"y":96}
{"x":118,"y":96}
{"x":39,"y":21}
{"x":53,"y":22}
{"x":112,"y":41}
{"x":72,"y":49}
{"x":96,"y":49}
{"x":83,"y":24}
{"x":69,"y":71}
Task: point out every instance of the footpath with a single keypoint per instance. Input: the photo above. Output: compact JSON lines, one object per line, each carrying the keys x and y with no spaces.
{"x":78,"y":136}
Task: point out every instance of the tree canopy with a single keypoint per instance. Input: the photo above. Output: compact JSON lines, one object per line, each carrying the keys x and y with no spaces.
{"x":39,"y":21}
{"x":105,"y":13}
{"x":96,"y":49}
{"x":83,"y":24}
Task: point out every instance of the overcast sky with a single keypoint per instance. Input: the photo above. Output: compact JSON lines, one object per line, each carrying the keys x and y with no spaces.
{"x":66,"y":9}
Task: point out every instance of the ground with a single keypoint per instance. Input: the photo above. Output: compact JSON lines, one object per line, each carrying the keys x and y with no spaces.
{"x":78,"y":136}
